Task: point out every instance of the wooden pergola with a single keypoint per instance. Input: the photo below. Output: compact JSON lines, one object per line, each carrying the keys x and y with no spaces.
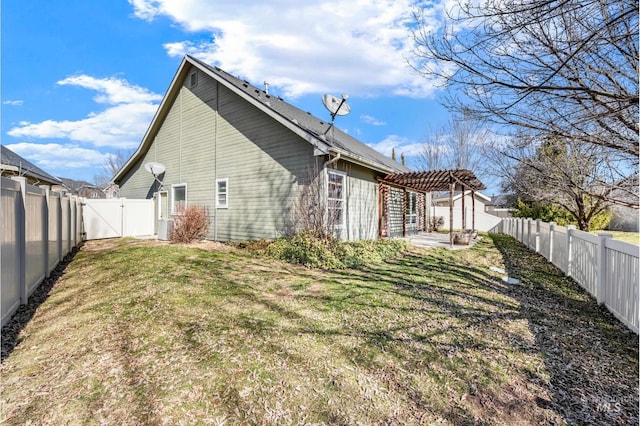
{"x":441,"y":180}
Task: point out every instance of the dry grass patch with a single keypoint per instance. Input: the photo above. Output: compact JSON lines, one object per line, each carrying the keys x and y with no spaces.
{"x":137,"y":332}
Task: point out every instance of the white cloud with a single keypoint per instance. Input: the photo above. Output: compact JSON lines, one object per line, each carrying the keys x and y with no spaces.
{"x":372,"y":120}
{"x":401,"y":145}
{"x":121,"y":125}
{"x":14,"y":103}
{"x":112,"y":91}
{"x":56,"y":157}
{"x":334,"y":46}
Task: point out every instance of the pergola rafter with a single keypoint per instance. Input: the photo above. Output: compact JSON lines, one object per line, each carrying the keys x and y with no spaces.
{"x":440,"y":180}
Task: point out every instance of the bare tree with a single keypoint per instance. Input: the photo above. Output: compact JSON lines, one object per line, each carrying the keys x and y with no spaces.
{"x":565,"y":173}
{"x":316,"y":208}
{"x":565,"y":67}
{"x":461,"y":143}
{"x":112,"y":164}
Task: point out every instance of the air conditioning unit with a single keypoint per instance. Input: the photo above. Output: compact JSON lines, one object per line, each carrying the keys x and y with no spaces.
{"x":165,"y":227}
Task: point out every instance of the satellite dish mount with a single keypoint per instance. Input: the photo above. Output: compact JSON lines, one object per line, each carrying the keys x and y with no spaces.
{"x":336,"y":106}
{"x":156,"y":169}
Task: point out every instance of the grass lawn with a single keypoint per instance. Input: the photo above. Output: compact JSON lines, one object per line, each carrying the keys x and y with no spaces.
{"x":628,"y":237}
{"x":140,"y":332}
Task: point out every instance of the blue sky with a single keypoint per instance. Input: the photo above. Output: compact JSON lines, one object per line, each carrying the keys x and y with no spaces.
{"x":82,"y":79}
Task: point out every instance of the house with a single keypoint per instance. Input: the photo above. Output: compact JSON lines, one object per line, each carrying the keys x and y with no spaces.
{"x":501,"y":205}
{"x":480,"y":200}
{"x":473,"y":211}
{"x":81,"y":189}
{"x":11,"y":164}
{"x":248,"y":156}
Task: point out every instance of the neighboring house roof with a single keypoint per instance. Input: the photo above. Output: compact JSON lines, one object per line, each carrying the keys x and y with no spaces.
{"x":76,"y":185}
{"x":459,"y":195}
{"x":503,"y":200}
{"x":302,"y":123}
{"x":18,"y":166}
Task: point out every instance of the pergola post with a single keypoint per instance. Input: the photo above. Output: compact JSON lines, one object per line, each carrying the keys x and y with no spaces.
{"x":473,"y":210}
{"x":464,"y":216}
{"x":451,"y":188}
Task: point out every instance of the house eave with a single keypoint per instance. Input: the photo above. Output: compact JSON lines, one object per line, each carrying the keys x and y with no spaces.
{"x":356,"y":159}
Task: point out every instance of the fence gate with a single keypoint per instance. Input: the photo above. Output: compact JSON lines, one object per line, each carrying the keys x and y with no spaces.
{"x":117,"y":217}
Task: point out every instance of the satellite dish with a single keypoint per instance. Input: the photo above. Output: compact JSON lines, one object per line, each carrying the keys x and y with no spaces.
{"x":335,"y":105}
{"x":154,"y":168}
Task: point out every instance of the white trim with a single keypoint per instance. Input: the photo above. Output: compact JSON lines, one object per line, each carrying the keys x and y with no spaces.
{"x":226,"y":193}
{"x":159,"y":197}
{"x":343,"y":200}
{"x":173,"y":201}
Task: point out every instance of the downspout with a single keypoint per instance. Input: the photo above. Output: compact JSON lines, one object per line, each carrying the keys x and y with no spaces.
{"x":333,"y":160}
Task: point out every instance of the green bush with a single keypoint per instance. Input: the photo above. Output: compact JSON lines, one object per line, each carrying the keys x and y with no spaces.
{"x":329,"y":253}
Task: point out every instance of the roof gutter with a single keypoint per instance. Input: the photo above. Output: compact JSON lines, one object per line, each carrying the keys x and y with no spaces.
{"x":356,"y":159}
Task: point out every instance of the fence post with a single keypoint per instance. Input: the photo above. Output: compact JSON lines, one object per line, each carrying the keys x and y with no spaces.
{"x":59,"y":226}
{"x":45,"y":229}
{"x":21,"y":235}
{"x":538,"y":235}
{"x":601,"y":263}
{"x":570,"y":229}
{"x":529,"y":223}
{"x":552,"y":230}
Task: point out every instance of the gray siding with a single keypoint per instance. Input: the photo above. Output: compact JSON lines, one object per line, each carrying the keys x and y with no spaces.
{"x":362,"y":203}
{"x":211,"y":133}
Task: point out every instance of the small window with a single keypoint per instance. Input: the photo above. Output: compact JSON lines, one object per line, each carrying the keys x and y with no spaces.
{"x":335,"y":199}
{"x":222,"y":193}
{"x":412,"y":207}
{"x":193,"y":79}
{"x":178,"y":197}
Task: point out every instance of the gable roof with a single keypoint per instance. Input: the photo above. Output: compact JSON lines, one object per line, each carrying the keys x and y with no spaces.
{"x":12,"y":162}
{"x":314,"y":130}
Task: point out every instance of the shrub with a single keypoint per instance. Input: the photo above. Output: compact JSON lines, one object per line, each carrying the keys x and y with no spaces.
{"x":436,"y":223}
{"x":190,"y":223}
{"x":328,"y":253}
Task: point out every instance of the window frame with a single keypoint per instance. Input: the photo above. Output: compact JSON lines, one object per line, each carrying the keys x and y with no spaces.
{"x":193,"y":79}
{"x":412,"y":208}
{"x":343,"y":199}
{"x":173,"y":197}
{"x":226,"y":193}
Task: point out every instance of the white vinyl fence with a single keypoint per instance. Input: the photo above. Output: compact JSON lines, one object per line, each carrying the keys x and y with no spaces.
{"x":39,"y":228}
{"x":606,"y":268}
{"x":117,"y":217}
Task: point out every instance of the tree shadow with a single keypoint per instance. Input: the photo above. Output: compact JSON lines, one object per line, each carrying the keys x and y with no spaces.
{"x":590,"y":356}
{"x":24,"y":314}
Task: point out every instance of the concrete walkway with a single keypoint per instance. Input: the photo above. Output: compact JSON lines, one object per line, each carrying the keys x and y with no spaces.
{"x":436,"y":239}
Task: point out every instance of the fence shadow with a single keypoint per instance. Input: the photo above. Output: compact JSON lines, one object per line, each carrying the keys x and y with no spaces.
{"x":24,"y":314}
{"x":591,"y":357}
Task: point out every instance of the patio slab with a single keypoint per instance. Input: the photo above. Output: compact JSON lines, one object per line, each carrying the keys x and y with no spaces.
{"x":436,"y":239}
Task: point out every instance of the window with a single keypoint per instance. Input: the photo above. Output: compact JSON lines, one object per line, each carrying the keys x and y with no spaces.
{"x":412,"y":207}
{"x":193,"y":79}
{"x":178,"y":197}
{"x":335,"y":199}
{"x":222,"y":193}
